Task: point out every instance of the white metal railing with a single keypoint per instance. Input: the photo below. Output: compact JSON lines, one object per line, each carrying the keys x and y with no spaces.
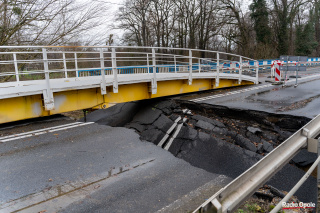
{"x":55,"y":64}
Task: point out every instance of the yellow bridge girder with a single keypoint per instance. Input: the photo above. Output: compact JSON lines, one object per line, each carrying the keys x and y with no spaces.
{"x":21,"y":108}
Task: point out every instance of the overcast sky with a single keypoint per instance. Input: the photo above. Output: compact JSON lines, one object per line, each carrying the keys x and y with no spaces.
{"x":110,"y":17}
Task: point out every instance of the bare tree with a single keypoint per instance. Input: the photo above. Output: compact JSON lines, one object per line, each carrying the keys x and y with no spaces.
{"x":49,"y":22}
{"x":134,"y":18}
{"x":32,"y":22}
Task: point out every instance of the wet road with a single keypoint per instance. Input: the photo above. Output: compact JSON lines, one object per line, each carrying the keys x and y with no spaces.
{"x":108,"y":167}
{"x":303,"y":100}
{"x":97,"y":168}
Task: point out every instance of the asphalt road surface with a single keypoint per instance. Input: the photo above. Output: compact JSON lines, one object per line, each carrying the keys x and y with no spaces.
{"x":110,"y":167}
{"x":96,"y":168}
{"x":303,"y":100}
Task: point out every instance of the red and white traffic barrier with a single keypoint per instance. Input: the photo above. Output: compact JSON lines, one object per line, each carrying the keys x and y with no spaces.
{"x":233,"y":65}
{"x":276,"y":64}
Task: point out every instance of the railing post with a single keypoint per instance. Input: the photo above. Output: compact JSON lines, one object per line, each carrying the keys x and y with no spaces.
{"x":154,"y":69}
{"x":76,"y":64}
{"x":114,"y":70}
{"x":103,"y":77}
{"x":190,"y":67}
{"x":47,"y":93}
{"x":199,"y":65}
{"x":175,"y":63}
{"x":65,"y":65}
{"x":16,"y":67}
{"x":318,"y":170}
{"x":240,"y":71}
{"x":148,"y":65}
{"x":257,"y":72}
{"x":218,"y":70}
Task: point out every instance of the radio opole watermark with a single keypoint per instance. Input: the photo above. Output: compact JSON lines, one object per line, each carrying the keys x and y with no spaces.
{"x":299,"y":205}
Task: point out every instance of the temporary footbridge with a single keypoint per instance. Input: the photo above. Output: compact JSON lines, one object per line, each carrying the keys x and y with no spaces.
{"x":44,"y":80}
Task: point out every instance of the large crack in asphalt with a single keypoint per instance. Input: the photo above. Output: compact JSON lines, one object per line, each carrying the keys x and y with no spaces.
{"x":298,"y":104}
{"x":216,"y":138}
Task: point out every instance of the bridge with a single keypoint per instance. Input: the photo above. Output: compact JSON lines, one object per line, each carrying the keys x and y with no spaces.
{"x":41,"y":81}
{"x":46,"y":80}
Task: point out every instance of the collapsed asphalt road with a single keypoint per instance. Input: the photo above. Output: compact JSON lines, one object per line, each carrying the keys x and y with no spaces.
{"x":116,"y":165}
{"x":94,"y":168}
{"x":218,"y":139}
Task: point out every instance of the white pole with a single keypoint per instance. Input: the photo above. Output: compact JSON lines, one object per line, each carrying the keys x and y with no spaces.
{"x":16,"y":66}
{"x":103,"y":78}
{"x":154,"y":69}
{"x":76,"y":64}
{"x":218,"y":70}
{"x":175,"y":64}
{"x":148,"y":63}
{"x":114,"y":70}
{"x":65,"y":65}
{"x":190,"y":67}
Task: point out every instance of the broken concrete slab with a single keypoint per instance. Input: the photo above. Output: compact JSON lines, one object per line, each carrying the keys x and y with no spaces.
{"x":220,"y":131}
{"x":211,"y":121}
{"x":253,"y":130}
{"x":187,"y":133}
{"x":136,"y":126}
{"x":245,"y":143}
{"x":152,"y":135}
{"x":267,"y":146}
{"x":204,"y":125}
{"x":147,"y":116}
{"x":163,"y":123}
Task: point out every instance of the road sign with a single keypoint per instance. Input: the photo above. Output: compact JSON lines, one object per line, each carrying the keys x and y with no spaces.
{"x":293,"y":58}
{"x":293,"y":63}
{"x":293,"y":68}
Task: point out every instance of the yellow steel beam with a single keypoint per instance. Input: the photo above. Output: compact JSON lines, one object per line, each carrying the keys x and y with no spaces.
{"x":21,"y":108}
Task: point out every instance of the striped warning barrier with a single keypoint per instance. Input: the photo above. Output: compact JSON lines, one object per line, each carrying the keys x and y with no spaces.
{"x":231,"y":65}
{"x":272,"y":69}
{"x":276,"y":64}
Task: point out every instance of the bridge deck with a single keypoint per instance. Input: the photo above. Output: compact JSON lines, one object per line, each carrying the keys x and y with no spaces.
{"x":71,"y":78}
{"x":25,"y":88}
{"x":26,"y":100}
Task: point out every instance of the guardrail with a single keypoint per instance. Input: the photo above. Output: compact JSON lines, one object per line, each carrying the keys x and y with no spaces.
{"x":267,"y":63}
{"x":231,"y":196}
{"x":22,"y":66}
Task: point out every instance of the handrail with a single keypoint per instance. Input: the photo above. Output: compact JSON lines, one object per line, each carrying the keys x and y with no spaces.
{"x":128,"y":47}
{"x":106,"y":62}
{"x":231,"y":196}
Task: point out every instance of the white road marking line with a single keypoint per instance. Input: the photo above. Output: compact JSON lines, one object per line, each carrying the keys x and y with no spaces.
{"x":39,"y":130}
{"x":77,"y":124}
{"x":44,"y":131}
{"x":175,"y":134}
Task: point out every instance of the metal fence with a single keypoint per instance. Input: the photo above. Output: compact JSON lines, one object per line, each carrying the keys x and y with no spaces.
{"x":29,"y":70}
{"x":23,"y":63}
